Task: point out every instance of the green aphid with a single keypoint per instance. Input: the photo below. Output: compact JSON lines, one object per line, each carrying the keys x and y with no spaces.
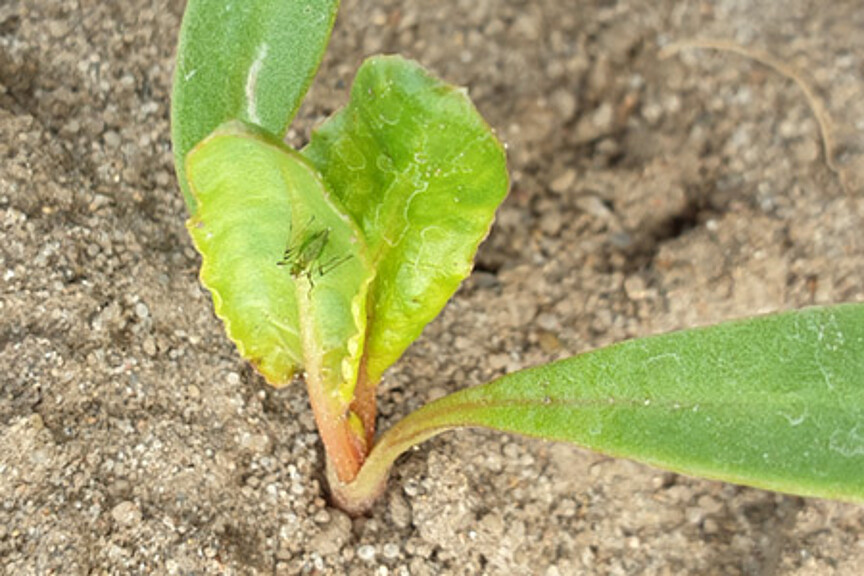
{"x":304,"y":259}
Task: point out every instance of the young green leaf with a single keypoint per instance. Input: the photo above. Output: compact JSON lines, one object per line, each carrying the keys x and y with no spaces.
{"x":287,"y":270}
{"x":421,"y":173}
{"x":251,"y":60}
{"x":775,"y":402}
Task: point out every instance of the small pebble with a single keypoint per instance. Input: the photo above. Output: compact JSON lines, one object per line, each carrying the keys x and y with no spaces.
{"x":391,"y":551}
{"x":562,"y":183}
{"x":126,"y":513}
{"x":149,"y":346}
{"x":112,"y":139}
{"x":366,"y":552}
{"x":141,"y":310}
{"x":635,"y":288}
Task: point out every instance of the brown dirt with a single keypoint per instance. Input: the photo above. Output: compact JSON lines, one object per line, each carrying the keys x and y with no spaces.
{"x":647,"y":195}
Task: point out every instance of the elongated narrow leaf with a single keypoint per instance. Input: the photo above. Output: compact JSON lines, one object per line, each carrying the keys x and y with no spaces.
{"x":422,"y":174}
{"x":775,"y":402}
{"x":287,"y":270}
{"x":250,"y":60}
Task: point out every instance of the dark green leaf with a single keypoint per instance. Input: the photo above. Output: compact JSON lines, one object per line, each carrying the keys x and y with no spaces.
{"x":251,"y":60}
{"x":775,"y":402}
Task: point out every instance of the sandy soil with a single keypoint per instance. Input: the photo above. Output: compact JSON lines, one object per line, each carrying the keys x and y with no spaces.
{"x":648,"y":195}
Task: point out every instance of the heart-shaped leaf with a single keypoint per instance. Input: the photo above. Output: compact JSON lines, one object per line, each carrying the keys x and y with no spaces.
{"x":421,"y":173}
{"x":288,"y":271}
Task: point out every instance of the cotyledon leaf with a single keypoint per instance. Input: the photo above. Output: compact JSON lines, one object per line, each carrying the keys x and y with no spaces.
{"x":775,"y":402}
{"x":421,"y":173}
{"x":287,"y":270}
{"x":250,"y":60}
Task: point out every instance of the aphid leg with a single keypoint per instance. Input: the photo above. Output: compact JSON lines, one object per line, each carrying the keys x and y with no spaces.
{"x":332,"y":264}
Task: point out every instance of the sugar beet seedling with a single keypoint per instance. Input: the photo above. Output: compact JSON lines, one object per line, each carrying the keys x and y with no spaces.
{"x":402,"y":185}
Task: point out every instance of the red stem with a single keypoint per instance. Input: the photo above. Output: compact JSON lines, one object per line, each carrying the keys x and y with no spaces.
{"x":365,"y":404}
{"x":344,"y":451}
